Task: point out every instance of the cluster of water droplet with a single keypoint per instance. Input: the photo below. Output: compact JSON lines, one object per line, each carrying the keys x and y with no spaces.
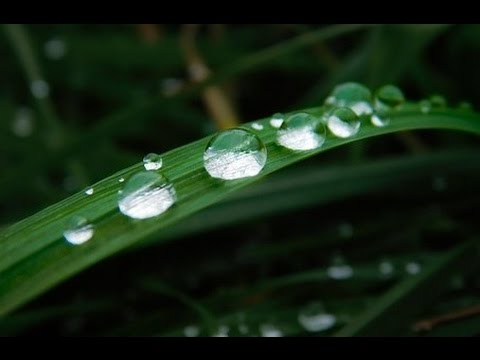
{"x":239,"y":153}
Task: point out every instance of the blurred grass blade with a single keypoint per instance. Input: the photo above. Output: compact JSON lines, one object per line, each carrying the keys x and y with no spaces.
{"x":393,"y":312}
{"x":34,"y":257}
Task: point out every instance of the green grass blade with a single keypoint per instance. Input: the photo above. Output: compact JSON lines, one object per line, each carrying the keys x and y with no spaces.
{"x":34,"y":257}
{"x":393,"y":312}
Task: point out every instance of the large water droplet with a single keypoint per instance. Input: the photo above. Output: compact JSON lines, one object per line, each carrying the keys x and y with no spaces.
{"x":352,"y":95}
{"x":55,"y":49}
{"x":313,"y":318}
{"x":301,"y":132}
{"x":234,"y":154}
{"x":146,"y":194}
{"x":191,"y":331}
{"x":22,"y":124}
{"x":388,"y":97}
{"x":343,"y":122}
{"x":152,"y":161}
{"x":339,"y":270}
{"x":78,"y":230}
{"x":277,"y":120}
{"x":40,"y":89}
{"x":270,"y":330}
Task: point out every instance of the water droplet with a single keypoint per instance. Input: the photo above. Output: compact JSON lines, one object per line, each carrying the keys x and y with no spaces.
{"x":78,"y":230}
{"x":313,"y":318}
{"x":343,"y":122}
{"x":222,"y":331}
{"x":388,"y":97}
{"x":379,"y":121}
{"x":121,"y":180}
{"x":385,"y":267}
{"x":152,"y":161}
{"x":40,"y":89}
{"x":234,"y":154}
{"x":345,"y":230}
{"x":270,"y":330}
{"x":257,"y":126}
{"x":352,"y":95}
{"x":22,"y":124}
{"x":339,"y":270}
{"x":277,"y":120}
{"x":191,"y":331}
{"x":301,"y":132}
{"x":413,"y":268}
{"x":146,"y":194}
{"x":438,"y":101}
{"x":425,"y":106}
{"x":243,"y":329}
{"x":55,"y":49}
{"x":171,"y":86}
{"x":464,"y":105}
{"x":457,"y":282}
{"x":89,"y":191}
{"x":439,"y":183}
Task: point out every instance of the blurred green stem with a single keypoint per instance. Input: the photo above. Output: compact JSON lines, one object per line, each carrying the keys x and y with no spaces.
{"x":22,"y":46}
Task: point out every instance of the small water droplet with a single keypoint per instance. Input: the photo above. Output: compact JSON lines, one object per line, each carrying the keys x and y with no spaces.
{"x":330,"y":101}
{"x":22,"y":124}
{"x":439,"y":183}
{"x":301,"y":132}
{"x":413,"y":268}
{"x":457,"y":282}
{"x":270,"y":330}
{"x":464,"y":105}
{"x":78,"y":230}
{"x":121,"y":180}
{"x":234,"y":154}
{"x":339,"y":270}
{"x":277,"y":120}
{"x":222,"y":331}
{"x":257,"y":126}
{"x":345,"y":230}
{"x":40,"y":89}
{"x":386,"y":268}
{"x":425,"y":106}
{"x":55,"y":49}
{"x":343,"y":123}
{"x":152,"y":161}
{"x":171,"y":86}
{"x":438,"y":101}
{"x":89,"y":191}
{"x":354,"y":96}
{"x":313,"y":318}
{"x":379,"y":121}
{"x":191,"y":331}
{"x":388,"y":97}
{"x":145,"y":195}
{"x":243,"y":329}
